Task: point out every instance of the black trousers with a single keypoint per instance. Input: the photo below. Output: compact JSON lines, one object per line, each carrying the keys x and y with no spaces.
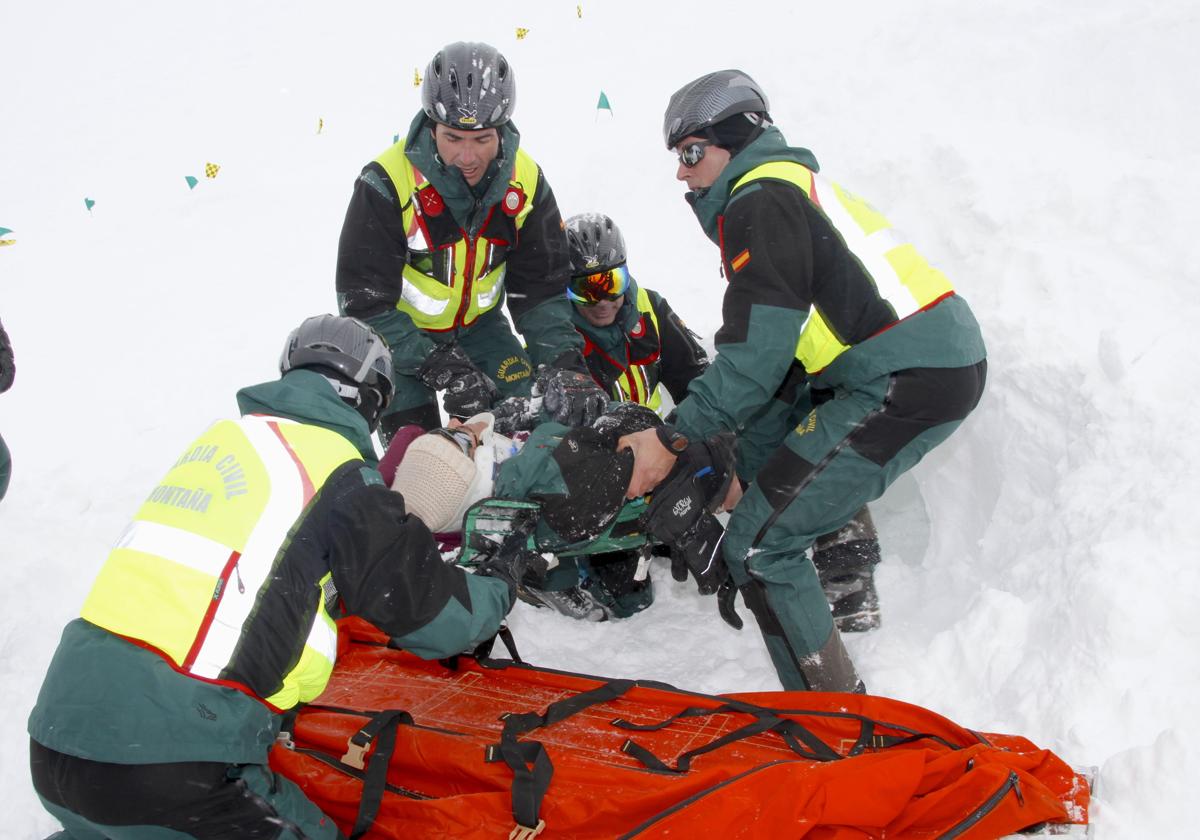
{"x":207,"y":800}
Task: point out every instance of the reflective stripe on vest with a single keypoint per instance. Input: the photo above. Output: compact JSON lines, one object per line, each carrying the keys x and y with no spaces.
{"x":469,"y":288}
{"x":185,"y":575}
{"x":901,"y":275}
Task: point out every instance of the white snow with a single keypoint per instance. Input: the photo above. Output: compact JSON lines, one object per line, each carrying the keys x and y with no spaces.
{"x":1040,"y":572}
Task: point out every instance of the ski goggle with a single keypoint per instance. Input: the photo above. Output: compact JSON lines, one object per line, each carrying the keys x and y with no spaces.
{"x":590,"y":289}
{"x":693,"y":152}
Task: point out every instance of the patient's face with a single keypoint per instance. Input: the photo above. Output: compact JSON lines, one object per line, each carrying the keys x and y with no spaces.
{"x":475,"y":429}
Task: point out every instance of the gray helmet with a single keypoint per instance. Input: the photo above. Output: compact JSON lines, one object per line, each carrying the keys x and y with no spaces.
{"x":596,"y":243}
{"x":353,"y":351}
{"x":470,"y":86}
{"x":710,"y":99}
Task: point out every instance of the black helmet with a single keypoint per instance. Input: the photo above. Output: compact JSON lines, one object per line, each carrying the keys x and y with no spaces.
{"x":346,"y":347}
{"x":469,"y":86}
{"x":596,"y":243}
{"x":710,"y":99}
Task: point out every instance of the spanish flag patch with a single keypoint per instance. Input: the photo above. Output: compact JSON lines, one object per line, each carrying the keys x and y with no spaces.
{"x":739,"y":262}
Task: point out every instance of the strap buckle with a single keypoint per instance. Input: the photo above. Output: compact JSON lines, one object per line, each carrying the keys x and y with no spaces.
{"x":524,"y":832}
{"x":356,"y":754}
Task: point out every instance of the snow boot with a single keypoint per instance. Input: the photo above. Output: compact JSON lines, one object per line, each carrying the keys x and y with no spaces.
{"x":609,"y":577}
{"x":574,"y":602}
{"x":845,"y":562}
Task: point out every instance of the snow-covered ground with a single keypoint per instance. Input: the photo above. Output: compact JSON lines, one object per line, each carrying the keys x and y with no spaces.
{"x":1041,"y":569}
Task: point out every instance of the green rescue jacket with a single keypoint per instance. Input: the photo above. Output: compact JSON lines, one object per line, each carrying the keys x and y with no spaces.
{"x":788,"y":265}
{"x":107,"y":699}
{"x":374,"y":251}
{"x":646,"y":347}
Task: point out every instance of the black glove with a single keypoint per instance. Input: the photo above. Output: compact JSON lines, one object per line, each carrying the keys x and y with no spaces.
{"x":569,"y":396}
{"x":468,"y":390}
{"x":698,"y":550}
{"x":696,"y":486}
{"x":513,"y":562}
{"x":515,"y":414}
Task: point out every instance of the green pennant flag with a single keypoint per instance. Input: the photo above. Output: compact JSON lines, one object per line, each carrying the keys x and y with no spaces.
{"x":603,"y":103}
{"x":89,"y":204}
{"x":4,"y":230}
{"x":191,"y":182}
{"x":395,"y":139}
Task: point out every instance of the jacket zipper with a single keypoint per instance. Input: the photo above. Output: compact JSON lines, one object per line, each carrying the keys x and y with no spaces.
{"x":1013,"y":783}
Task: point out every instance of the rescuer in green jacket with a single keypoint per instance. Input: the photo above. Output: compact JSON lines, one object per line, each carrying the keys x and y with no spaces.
{"x":442,"y":228}
{"x":842,"y":359}
{"x":214,"y":613}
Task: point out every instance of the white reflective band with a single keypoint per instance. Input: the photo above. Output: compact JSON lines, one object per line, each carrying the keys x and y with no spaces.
{"x":870,"y":250}
{"x":488,"y":299}
{"x":284,"y":504}
{"x":417,"y":240}
{"x":175,"y":544}
{"x":322,"y":638}
{"x":420,"y":301}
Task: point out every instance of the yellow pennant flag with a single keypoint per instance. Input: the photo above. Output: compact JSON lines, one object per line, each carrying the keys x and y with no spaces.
{"x":416,"y":77}
{"x":579,"y":10}
{"x":4,"y":242}
{"x":320,"y":124}
{"x":521,"y":33}
{"x":211,"y":170}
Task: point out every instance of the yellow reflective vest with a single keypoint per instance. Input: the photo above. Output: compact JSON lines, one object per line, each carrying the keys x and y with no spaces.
{"x":637,"y":377}
{"x":186,"y":574}
{"x":452,"y":277}
{"x":901,"y":275}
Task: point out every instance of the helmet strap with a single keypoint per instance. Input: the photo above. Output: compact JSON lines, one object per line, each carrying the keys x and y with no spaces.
{"x":350,"y":393}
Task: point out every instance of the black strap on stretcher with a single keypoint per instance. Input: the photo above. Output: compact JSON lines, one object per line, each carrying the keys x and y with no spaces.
{"x":528,"y":760}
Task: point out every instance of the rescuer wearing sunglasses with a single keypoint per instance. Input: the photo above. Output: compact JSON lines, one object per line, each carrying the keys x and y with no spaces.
{"x":843,"y":358}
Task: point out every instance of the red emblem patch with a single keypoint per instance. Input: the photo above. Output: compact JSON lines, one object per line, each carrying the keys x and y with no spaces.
{"x":432,"y":203}
{"x":513,"y":202}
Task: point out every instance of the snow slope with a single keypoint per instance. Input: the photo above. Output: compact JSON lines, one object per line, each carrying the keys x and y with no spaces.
{"x":1040,"y":569}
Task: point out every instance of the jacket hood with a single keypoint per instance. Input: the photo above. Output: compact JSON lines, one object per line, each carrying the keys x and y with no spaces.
{"x":468,"y":204}
{"x":307,"y":397}
{"x":769,"y":146}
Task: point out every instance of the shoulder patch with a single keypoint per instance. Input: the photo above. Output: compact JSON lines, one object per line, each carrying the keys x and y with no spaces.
{"x":739,"y":262}
{"x":370,"y":476}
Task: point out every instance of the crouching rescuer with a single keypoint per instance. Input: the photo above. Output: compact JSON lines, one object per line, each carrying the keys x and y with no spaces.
{"x":843,"y":358}
{"x":214,"y":612}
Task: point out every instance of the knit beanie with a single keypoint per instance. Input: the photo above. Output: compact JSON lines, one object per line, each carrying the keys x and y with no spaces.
{"x":434,"y":477}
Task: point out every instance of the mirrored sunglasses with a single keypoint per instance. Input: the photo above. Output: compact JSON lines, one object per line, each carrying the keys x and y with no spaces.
{"x":590,"y":289}
{"x":693,"y":152}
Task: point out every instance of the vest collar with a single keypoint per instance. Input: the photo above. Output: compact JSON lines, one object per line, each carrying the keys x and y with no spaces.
{"x":469,"y":205}
{"x":770,"y":146}
{"x":305,"y":396}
